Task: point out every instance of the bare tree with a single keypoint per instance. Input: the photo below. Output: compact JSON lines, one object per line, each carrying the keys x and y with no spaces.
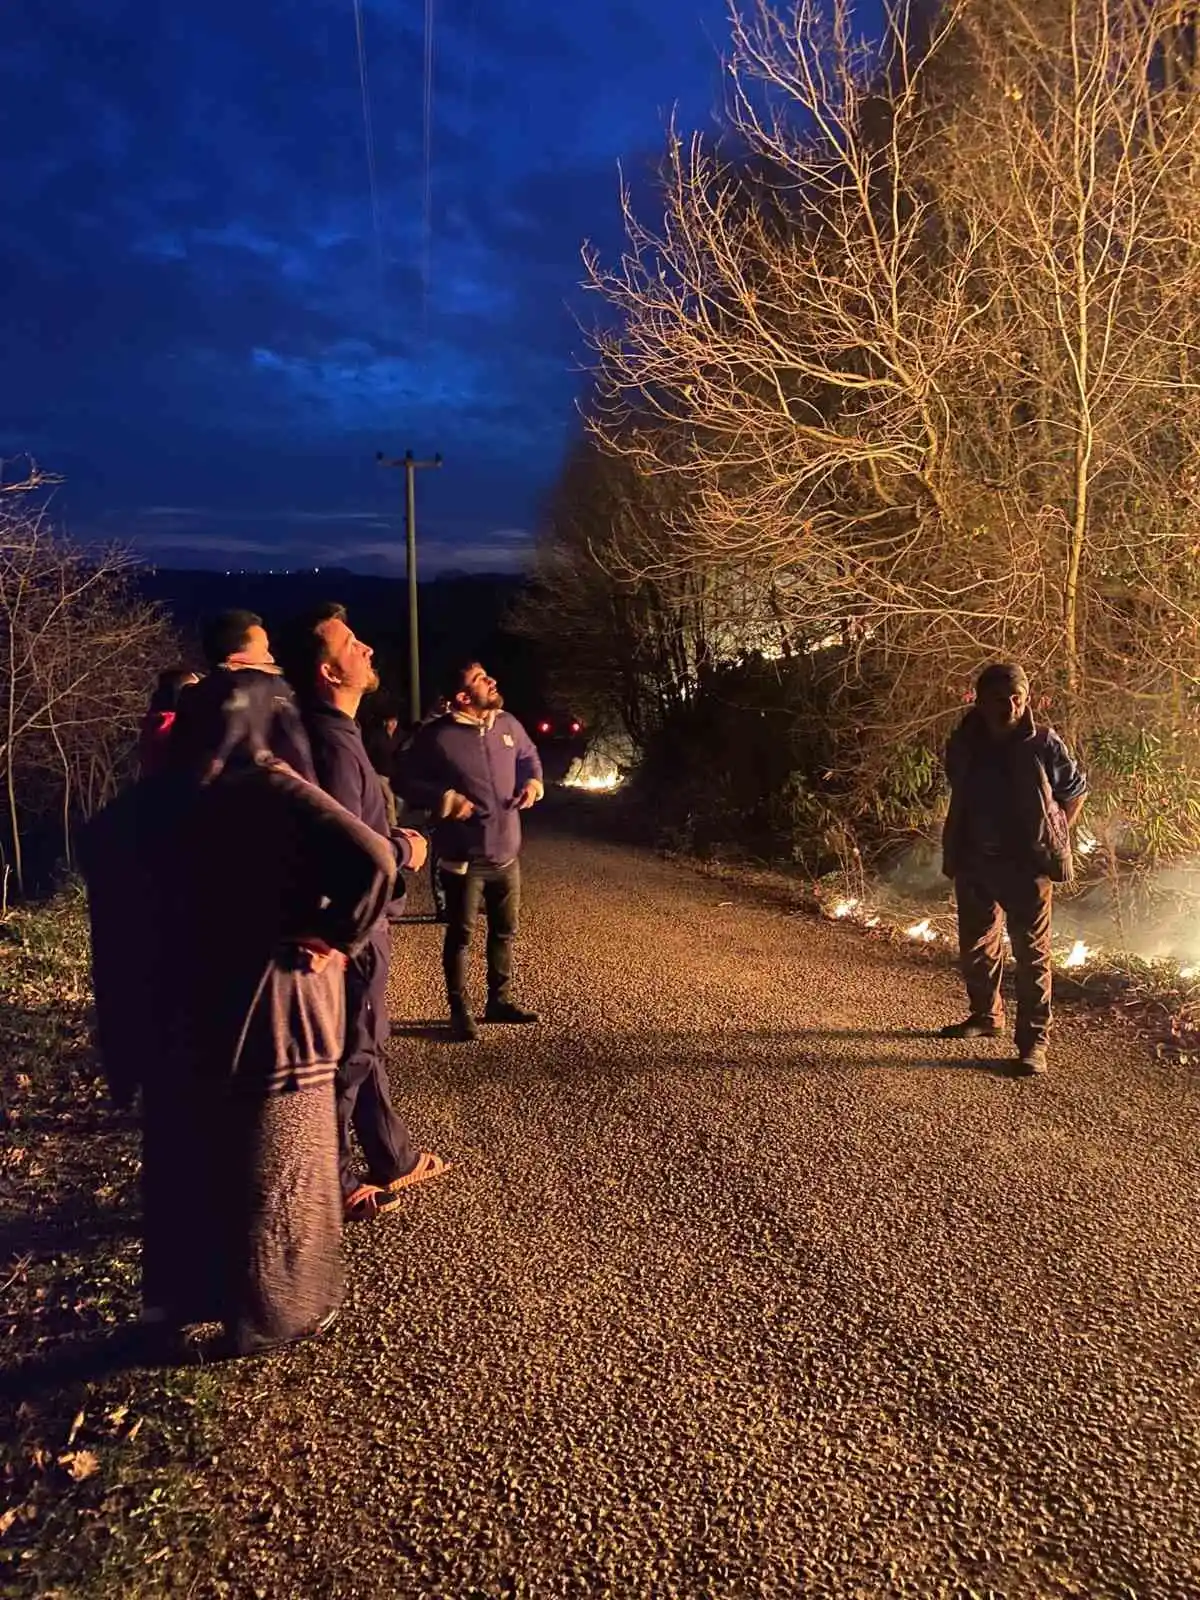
{"x":77,"y":652}
{"x":924,"y":351}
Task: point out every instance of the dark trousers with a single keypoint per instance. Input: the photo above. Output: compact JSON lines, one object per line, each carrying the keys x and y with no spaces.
{"x":989,"y":894}
{"x":364,"y":1104}
{"x":498,"y":891}
{"x":437,"y":884}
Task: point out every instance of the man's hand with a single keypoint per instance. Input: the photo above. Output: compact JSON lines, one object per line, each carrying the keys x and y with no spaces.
{"x":529,"y":795}
{"x":314,"y":955}
{"x":458,"y":807}
{"x":418,"y":848}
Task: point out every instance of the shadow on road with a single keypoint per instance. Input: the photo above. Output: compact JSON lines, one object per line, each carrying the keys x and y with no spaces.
{"x":86,"y":1360}
{"x":436,"y":1030}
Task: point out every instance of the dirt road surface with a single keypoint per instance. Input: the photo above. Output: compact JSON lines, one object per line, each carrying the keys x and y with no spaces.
{"x":742,"y":1288}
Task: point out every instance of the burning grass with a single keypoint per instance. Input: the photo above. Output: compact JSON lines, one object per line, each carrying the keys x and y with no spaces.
{"x":95,"y":1471}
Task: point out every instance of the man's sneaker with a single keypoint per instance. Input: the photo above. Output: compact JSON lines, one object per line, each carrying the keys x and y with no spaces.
{"x":1032,"y":1063}
{"x":505,"y":1011}
{"x":972,"y":1028}
{"x":462,"y":1026}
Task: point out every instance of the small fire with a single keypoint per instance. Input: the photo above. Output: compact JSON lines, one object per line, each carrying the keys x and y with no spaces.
{"x":1187,"y":973}
{"x":1079,"y":955}
{"x":845,"y":908}
{"x":1085,"y":844}
{"x":595,"y":781}
{"x":871,"y":922}
{"x":921,"y":930}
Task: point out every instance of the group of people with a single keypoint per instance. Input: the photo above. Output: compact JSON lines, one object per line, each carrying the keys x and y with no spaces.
{"x":241,"y":896}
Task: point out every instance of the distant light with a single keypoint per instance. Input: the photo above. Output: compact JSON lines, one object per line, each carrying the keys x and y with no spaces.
{"x":576,"y":728}
{"x":543,"y":727}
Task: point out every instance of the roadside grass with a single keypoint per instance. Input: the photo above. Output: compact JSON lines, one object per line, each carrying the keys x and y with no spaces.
{"x":99,"y":1459}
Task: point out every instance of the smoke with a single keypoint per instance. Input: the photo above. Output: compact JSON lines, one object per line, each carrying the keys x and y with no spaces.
{"x":1150,"y":914}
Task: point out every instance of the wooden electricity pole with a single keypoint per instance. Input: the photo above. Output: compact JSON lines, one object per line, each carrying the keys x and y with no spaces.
{"x":411,"y":465}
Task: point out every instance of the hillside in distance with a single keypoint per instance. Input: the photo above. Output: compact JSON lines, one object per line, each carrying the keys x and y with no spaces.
{"x":459,"y":617}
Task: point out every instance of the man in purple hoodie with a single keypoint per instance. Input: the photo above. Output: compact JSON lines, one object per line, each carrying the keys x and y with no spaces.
{"x":475,"y":770}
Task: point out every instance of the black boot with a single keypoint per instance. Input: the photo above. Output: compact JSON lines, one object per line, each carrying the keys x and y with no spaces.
{"x":462,"y":1025}
{"x":506,"y":1011}
{"x":972,"y":1028}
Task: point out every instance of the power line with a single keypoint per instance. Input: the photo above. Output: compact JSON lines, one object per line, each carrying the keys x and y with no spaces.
{"x":427,"y":196}
{"x":369,"y":138}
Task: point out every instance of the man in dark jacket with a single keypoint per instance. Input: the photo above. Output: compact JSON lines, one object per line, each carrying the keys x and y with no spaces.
{"x":475,"y":770}
{"x":331,"y":671}
{"x":1014,"y":794}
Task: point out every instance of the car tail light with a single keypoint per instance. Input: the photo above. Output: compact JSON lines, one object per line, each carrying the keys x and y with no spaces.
{"x":543,"y":727}
{"x":576,"y":727}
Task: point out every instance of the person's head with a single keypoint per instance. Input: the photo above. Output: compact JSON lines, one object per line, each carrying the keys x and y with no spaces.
{"x":438,"y":707}
{"x":391,"y":725}
{"x":170,"y":686}
{"x":1002,"y":696}
{"x":472,"y":691}
{"x":323,"y":660}
{"x":225,"y":723}
{"x":236,"y":639}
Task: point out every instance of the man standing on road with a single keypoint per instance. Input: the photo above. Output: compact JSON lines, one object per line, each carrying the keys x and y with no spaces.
{"x":331,"y":671}
{"x":474,"y":770}
{"x":1015,"y":793}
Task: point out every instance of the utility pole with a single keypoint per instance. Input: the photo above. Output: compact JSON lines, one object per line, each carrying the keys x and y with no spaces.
{"x":411,"y":466}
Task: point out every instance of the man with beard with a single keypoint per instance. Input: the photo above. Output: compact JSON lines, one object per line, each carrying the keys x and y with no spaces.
{"x":331,"y":670}
{"x":474,"y":770}
{"x":1014,"y":794}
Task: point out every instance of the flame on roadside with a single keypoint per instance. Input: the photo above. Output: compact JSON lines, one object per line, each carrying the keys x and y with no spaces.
{"x":597,"y":782}
{"x":844,"y":908}
{"x":1078,"y":956}
{"x":922,"y":931}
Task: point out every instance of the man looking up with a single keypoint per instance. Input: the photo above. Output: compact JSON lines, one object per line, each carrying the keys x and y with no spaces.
{"x":331,"y":670}
{"x":1014,"y":794}
{"x":474,"y":770}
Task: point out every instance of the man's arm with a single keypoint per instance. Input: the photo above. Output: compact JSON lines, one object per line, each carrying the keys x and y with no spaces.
{"x":530,"y":782}
{"x":1068,"y":783}
{"x":428,"y":784}
{"x":340,"y":773}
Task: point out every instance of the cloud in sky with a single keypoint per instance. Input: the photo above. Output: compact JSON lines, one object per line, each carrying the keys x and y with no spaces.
{"x":199,"y":312}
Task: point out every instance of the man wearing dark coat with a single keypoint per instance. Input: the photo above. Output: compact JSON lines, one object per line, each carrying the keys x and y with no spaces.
{"x":224,"y":897}
{"x":331,"y":671}
{"x":1015,"y":793}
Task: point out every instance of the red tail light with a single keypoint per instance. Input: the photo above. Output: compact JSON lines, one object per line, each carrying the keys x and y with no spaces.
{"x":543,"y":727}
{"x":576,"y":727}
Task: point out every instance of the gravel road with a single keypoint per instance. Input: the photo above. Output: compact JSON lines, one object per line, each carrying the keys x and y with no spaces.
{"x":742,"y":1287}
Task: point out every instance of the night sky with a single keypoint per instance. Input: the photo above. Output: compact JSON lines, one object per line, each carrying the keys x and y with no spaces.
{"x":200,"y":330}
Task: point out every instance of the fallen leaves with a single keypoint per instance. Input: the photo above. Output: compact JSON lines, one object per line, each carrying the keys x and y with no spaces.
{"x":80,"y":1464}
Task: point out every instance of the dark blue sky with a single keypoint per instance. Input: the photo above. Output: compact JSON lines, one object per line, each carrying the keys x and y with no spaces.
{"x":195,"y":330}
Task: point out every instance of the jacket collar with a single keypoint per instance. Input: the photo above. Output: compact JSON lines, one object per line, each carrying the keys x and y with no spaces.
{"x":484,"y":724}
